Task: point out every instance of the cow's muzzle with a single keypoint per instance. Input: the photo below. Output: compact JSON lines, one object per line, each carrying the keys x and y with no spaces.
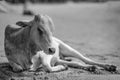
{"x":52,"y":50}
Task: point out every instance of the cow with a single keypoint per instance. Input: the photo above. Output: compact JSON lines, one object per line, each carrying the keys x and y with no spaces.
{"x":29,"y":44}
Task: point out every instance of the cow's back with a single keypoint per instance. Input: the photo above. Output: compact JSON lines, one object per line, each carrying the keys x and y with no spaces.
{"x":15,"y":43}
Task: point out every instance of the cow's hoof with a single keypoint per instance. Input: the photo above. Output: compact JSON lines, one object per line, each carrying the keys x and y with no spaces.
{"x":110,"y":68}
{"x":66,"y":67}
{"x":32,"y":70}
{"x":91,"y":69}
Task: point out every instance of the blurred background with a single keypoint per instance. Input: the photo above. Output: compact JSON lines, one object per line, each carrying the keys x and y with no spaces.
{"x":53,"y":1}
{"x":90,"y":26}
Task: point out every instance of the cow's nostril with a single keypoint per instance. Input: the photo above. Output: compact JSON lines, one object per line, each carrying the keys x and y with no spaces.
{"x":51,"y":50}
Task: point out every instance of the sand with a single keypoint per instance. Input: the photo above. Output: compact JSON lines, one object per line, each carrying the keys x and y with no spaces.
{"x":91,"y":28}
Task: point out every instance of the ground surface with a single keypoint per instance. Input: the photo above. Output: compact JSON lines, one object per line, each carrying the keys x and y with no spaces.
{"x":92,"y":29}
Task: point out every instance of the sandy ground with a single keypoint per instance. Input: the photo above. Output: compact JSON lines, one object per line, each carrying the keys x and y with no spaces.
{"x":93,"y":29}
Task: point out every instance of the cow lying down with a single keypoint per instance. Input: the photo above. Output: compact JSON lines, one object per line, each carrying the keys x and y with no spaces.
{"x":31,"y":44}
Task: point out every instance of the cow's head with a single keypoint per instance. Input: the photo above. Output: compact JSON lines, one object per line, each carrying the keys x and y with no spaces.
{"x":41,"y":32}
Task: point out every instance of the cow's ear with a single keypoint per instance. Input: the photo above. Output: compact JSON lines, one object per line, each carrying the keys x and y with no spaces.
{"x":22,"y":24}
{"x":37,"y":18}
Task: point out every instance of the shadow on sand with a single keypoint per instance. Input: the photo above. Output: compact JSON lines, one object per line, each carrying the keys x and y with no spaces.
{"x":6,"y":72}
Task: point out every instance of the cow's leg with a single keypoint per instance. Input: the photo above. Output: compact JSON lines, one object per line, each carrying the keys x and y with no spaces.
{"x":46,"y":61}
{"x":56,"y":68}
{"x":35,"y":62}
{"x":15,"y":67}
{"x":68,"y":51}
{"x":76,"y":64}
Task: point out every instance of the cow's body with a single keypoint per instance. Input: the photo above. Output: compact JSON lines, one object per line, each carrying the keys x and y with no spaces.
{"x":18,"y":46}
{"x":30,"y":44}
{"x":22,"y":41}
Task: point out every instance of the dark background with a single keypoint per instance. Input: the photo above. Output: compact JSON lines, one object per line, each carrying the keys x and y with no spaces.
{"x":55,"y":1}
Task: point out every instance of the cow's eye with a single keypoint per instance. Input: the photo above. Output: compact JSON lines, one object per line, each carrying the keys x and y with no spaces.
{"x":40,"y":31}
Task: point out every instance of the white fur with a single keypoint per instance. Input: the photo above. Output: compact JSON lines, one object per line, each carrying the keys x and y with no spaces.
{"x":48,"y":60}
